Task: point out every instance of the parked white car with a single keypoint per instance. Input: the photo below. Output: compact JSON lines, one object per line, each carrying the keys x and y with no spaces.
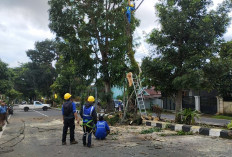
{"x":35,"y":105}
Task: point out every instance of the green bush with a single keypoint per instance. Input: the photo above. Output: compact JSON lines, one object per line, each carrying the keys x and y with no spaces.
{"x":188,"y":116}
{"x":229,"y":126}
{"x":184,"y":133}
{"x":151,"y":130}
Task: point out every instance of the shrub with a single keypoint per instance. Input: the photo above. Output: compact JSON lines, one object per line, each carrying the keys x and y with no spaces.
{"x":150,"y":130}
{"x":184,"y":133}
{"x":229,"y":126}
{"x":188,"y":116}
{"x":158,"y":110}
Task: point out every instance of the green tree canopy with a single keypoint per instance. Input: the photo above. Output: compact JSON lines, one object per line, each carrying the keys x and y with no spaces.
{"x":189,"y":36}
{"x":218,"y":71}
{"x":96,"y":33}
{"x":5,"y":75}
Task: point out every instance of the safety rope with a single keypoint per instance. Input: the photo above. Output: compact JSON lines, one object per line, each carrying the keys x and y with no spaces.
{"x":139,"y":5}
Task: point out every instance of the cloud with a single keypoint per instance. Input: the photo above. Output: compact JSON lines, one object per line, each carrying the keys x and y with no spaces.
{"x":23,"y":22}
{"x":146,"y":14}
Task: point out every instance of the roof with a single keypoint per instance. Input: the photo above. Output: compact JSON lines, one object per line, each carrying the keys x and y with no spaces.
{"x":151,"y":93}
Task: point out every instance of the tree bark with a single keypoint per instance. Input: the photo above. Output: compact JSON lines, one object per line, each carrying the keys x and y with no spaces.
{"x":110,"y":106}
{"x":178,"y":101}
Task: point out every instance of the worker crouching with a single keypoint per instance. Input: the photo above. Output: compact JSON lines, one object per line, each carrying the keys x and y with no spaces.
{"x":102,"y":129}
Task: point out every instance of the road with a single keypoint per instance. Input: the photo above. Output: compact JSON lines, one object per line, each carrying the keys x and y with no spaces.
{"x":38,"y":134}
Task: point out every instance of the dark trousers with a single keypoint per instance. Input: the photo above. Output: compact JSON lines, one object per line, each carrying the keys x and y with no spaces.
{"x":87,"y":132}
{"x":6,"y":118}
{"x":68,"y":123}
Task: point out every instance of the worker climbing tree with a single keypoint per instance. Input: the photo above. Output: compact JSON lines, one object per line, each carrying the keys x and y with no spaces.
{"x":129,"y":10}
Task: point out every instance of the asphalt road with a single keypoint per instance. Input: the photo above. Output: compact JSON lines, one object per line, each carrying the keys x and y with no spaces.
{"x":38,"y":134}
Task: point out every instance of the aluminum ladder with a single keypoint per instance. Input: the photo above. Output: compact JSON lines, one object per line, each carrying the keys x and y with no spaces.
{"x":139,"y":95}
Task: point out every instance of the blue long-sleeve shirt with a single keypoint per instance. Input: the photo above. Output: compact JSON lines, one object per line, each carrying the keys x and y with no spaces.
{"x":73,"y":110}
{"x":101,"y":129}
{"x":3,"y":109}
{"x":129,"y":9}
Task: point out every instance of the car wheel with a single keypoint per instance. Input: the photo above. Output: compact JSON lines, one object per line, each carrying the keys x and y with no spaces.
{"x":26,"y":109}
{"x":45,"y":108}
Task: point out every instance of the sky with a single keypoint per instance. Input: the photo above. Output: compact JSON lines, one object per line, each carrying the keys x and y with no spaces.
{"x":23,"y":22}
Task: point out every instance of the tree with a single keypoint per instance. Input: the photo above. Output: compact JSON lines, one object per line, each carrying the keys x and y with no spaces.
{"x":39,"y":74}
{"x":97,"y":36}
{"x":24,"y":81}
{"x":218,"y":71}
{"x":188,"y":38}
{"x":4,"y":78}
{"x":44,"y":53}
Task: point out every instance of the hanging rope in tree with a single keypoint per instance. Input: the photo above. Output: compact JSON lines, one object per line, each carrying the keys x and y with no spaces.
{"x":139,"y":5}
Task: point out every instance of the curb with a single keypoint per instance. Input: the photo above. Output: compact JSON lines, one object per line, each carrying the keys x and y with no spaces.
{"x":191,"y":128}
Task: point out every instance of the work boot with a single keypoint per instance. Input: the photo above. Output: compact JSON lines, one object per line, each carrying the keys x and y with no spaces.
{"x":89,"y":145}
{"x":73,"y":142}
{"x":64,"y":143}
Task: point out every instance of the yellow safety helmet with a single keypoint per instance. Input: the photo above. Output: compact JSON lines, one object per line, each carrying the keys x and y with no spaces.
{"x":132,"y":5}
{"x":67,"y":96}
{"x":91,"y":99}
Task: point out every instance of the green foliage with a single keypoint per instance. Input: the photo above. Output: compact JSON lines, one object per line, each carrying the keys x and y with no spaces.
{"x":95,"y":38}
{"x":188,"y":116}
{"x":13,"y":94}
{"x":229,"y":126}
{"x":151,"y":130}
{"x":5,"y":83}
{"x":189,"y":37}
{"x":181,"y":132}
{"x":44,"y":52}
{"x":222,"y":117}
{"x":221,"y":66}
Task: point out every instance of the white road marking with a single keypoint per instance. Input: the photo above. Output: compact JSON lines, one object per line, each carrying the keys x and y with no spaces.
{"x":41,"y":113}
{"x":3,"y":128}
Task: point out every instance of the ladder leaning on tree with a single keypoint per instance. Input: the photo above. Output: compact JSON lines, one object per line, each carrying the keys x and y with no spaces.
{"x":139,"y":95}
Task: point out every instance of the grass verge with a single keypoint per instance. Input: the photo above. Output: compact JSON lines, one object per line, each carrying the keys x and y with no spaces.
{"x":222,"y":117}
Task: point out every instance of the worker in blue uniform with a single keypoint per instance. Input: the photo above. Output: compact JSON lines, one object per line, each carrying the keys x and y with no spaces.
{"x":69,"y":115}
{"x":129,"y":9}
{"x":89,"y":116}
{"x":102,"y":129}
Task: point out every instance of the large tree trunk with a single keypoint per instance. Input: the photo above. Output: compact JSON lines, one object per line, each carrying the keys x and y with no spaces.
{"x":108,"y":95}
{"x":178,"y":102}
